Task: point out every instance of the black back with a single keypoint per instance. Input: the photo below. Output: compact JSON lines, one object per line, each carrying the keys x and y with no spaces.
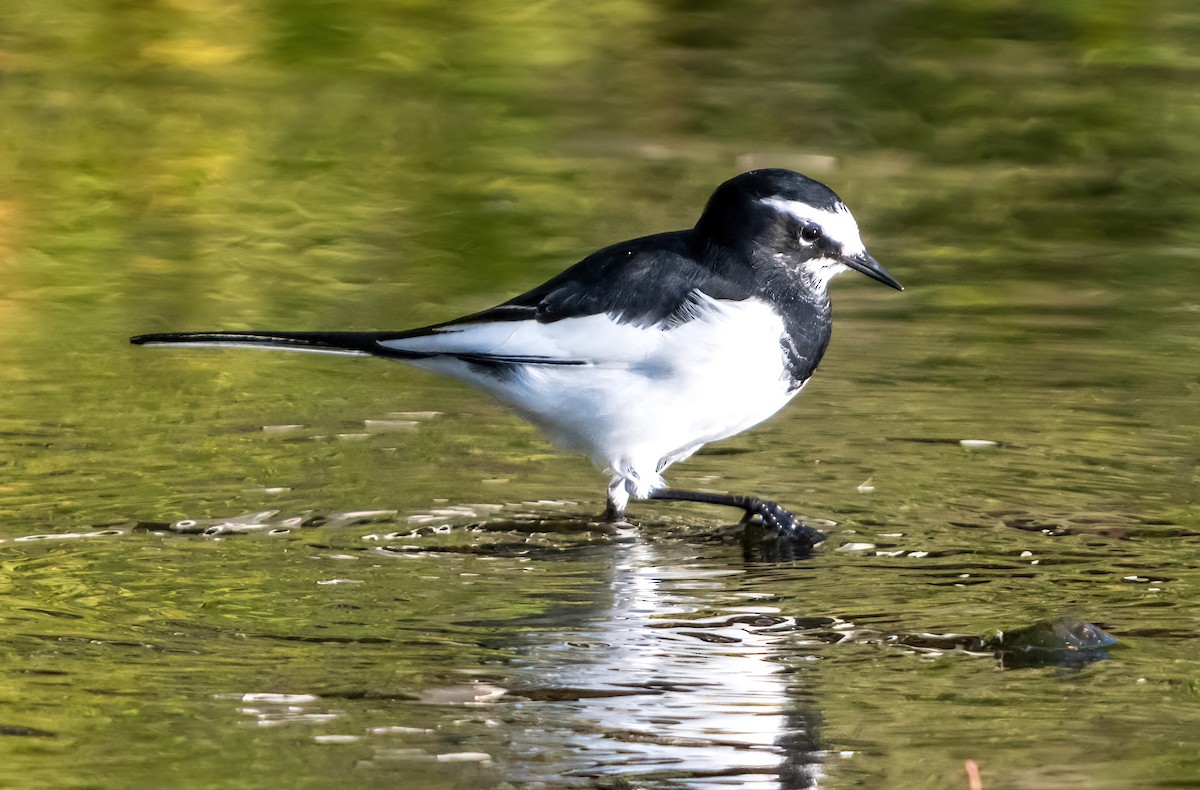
{"x":730,"y":254}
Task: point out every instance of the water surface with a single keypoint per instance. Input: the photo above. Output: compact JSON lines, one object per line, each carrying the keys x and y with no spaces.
{"x":226,"y":569}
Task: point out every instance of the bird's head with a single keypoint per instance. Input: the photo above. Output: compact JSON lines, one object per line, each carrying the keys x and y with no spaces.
{"x":781,"y":218}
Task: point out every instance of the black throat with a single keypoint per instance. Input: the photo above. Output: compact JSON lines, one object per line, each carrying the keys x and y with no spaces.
{"x":806,"y":331}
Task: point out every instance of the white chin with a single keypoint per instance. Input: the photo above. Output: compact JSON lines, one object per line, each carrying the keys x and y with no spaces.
{"x":822,"y":270}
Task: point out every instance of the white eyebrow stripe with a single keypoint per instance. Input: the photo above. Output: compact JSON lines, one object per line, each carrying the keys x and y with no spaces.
{"x":838,"y":224}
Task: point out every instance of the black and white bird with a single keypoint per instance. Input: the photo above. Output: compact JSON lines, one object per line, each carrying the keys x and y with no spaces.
{"x":645,"y":351}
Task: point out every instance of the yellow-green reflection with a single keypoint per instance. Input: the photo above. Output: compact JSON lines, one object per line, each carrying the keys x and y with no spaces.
{"x":1029,"y":172}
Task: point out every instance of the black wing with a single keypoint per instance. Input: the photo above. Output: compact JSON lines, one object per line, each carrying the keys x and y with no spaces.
{"x":646,"y":282}
{"x":651,"y":281}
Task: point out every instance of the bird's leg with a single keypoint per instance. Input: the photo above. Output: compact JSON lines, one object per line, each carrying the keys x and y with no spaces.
{"x":779,"y":523}
{"x":618,"y":498}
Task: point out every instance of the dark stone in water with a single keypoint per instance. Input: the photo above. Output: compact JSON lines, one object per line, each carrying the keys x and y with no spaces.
{"x":760,"y":544}
{"x":1065,"y":642}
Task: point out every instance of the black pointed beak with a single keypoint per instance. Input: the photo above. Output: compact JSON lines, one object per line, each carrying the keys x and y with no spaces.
{"x":869,"y":266}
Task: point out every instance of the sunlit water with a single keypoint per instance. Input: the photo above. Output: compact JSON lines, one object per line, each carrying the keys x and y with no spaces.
{"x":225,"y":569}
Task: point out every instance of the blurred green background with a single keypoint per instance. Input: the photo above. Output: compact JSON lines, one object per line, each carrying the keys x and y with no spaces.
{"x":1030,"y":172}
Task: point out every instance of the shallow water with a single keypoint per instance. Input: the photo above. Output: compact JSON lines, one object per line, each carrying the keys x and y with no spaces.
{"x":225,"y":569}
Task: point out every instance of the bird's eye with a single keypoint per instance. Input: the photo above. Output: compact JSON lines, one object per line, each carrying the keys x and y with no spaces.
{"x":810,"y":233}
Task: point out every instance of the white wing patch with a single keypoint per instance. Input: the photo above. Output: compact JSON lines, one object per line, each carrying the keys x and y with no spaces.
{"x":838,"y":224}
{"x":598,"y":340}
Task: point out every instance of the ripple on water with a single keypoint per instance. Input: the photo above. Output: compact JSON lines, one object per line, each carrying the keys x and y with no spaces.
{"x":668,"y":658}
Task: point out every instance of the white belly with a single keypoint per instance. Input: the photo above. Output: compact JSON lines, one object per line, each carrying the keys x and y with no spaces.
{"x":648,"y":396}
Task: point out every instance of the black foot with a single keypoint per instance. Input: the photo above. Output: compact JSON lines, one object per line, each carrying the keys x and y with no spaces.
{"x":780,"y":534}
{"x":781,"y":524}
{"x":776,"y":535}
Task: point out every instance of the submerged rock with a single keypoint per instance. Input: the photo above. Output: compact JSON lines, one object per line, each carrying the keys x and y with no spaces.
{"x":1063,"y":642}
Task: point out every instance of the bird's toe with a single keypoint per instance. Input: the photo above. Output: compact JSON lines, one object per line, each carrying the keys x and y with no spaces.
{"x":777,"y":525}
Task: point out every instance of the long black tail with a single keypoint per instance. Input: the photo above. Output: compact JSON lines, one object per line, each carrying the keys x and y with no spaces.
{"x":355,"y":343}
